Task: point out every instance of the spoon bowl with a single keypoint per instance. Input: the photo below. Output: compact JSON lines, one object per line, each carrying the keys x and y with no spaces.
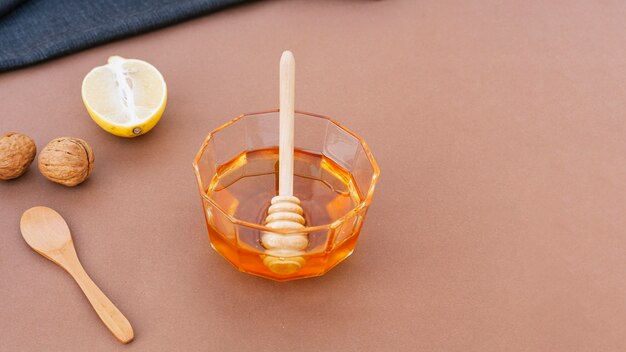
{"x":45,"y":231}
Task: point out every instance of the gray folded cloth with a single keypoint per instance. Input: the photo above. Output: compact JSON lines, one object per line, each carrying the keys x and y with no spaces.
{"x":8,"y":5}
{"x":36,"y":30}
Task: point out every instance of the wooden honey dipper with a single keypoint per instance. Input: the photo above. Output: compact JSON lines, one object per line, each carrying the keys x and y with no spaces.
{"x":284,"y":251}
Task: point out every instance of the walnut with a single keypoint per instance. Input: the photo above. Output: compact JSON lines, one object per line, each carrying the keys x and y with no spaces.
{"x":17,"y":152}
{"x":68,"y":161}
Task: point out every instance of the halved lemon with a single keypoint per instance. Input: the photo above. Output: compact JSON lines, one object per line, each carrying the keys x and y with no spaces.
{"x":126,"y":97}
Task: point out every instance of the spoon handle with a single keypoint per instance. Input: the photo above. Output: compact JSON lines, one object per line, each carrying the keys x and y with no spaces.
{"x":114,"y":320}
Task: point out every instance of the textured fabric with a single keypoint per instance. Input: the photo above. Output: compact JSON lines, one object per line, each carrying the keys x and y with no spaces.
{"x":37,"y":30}
{"x":7,"y":5}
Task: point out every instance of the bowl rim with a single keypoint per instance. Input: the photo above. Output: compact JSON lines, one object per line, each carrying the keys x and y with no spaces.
{"x":364,"y":203}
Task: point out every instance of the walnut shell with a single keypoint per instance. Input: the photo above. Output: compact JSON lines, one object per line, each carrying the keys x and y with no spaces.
{"x":17,"y":152}
{"x":67,"y":161}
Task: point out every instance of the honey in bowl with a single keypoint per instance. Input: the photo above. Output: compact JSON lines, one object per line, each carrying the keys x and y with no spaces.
{"x":244,"y":186}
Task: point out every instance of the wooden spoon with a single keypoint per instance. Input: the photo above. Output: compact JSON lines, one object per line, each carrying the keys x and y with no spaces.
{"x":47,"y":233}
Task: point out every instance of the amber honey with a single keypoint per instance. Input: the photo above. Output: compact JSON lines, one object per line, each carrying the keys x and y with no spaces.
{"x":243,"y":188}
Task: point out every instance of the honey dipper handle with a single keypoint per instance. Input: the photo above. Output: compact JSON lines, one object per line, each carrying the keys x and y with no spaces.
{"x":287,"y":106}
{"x":114,"y":320}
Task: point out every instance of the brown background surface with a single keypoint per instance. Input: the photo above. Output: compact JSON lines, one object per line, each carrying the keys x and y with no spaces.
{"x":498,"y":223}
